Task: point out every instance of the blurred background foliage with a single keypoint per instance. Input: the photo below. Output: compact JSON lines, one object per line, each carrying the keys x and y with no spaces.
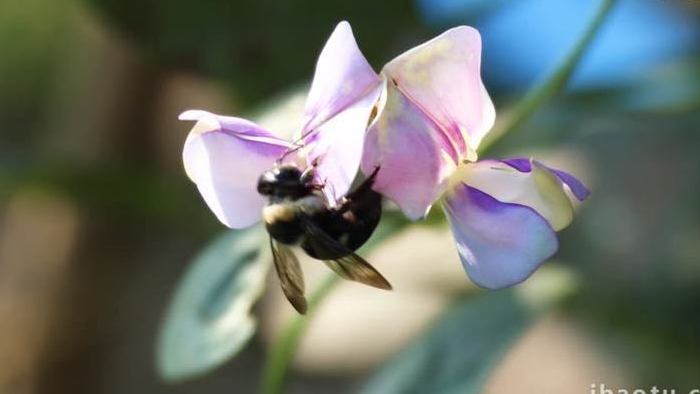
{"x":98,"y":221}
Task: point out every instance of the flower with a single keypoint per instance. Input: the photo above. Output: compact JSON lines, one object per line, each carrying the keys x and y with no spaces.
{"x":419,"y":122}
{"x":504,"y":214}
{"x":224,"y":156}
{"x":433,"y":113}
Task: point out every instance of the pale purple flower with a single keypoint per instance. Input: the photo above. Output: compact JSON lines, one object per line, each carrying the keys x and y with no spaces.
{"x":504,"y":214}
{"x":225,"y":155}
{"x":420,"y":121}
{"x":433,"y":113}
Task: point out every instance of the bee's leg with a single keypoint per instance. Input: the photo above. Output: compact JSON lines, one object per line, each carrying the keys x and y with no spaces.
{"x":329,"y":192}
{"x":362,"y":196}
{"x":365,"y":186}
{"x":321,"y":186}
{"x":370,"y":178}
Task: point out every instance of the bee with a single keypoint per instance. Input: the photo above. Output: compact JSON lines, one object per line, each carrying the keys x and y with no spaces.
{"x":299,"y":214}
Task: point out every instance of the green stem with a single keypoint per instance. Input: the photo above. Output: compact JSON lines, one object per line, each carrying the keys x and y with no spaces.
{"x":551,"y":84}
{"x":282,"y":352}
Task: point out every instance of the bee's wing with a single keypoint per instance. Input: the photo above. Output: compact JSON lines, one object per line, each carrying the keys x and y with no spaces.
{"x":290,"y":274}
{"x":354,"y":267}
{"x":350,"y":266}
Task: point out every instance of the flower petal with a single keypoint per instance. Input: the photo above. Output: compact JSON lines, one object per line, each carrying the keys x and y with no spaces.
{"x":411,"y":154}
{"x":521,"y":182}
{"x":442,"y":77}
{"x":521,"y":164}
{"x":336,"y":146}
{"x":578,"y":189}
{"x":225,"y":156}
{"x":241,"y":127}
{"x":500,"y":244}
{"x":342,"y":77}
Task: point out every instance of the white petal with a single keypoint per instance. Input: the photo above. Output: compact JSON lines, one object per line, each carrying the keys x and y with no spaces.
{"x":225,"y":160}
{"x":342,"y":77}
{"x":442,"y":77}
{"x":337,"y":146}
{"x":539,"y":188}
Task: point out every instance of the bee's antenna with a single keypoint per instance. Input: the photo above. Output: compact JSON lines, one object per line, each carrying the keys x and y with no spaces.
{"x":298,"y":144}
{"x":296,"y":148}
{"x":308,"y":174}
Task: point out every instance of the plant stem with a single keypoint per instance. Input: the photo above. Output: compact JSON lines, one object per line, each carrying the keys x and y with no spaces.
{"x":282,"y":352}
{"x":551,"y":84}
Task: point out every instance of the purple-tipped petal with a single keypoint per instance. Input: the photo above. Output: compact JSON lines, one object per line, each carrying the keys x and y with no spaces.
{"x":507,"y":181}
{"x":342,"y":77}
{"x":524,"y":164}
{"x":521,"y":164}
{"x":578,"y":189}
{"x":409,"y":150}
{"x":500,"y":244}
{"x":336,"y":146}
{"x":225,"y":156}
{"x":442,"y":77}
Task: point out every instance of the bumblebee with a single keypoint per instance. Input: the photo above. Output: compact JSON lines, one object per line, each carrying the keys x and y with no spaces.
{"x":299,"y":214}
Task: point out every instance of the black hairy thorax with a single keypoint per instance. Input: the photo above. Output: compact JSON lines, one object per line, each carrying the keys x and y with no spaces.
{"x":294,"y":199}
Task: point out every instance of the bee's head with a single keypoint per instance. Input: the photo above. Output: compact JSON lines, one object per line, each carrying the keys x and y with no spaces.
{"x":285,"y":181}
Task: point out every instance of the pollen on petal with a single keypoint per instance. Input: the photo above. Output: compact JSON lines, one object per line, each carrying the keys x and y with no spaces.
{"x":442,"y":77}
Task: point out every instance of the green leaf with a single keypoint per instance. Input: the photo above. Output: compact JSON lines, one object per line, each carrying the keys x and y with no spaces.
{"x":208,"y":320}
{"x":458,"y":354}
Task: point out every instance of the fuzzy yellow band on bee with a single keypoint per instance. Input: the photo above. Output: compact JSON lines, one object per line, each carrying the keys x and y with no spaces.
{"x":284,"y":212}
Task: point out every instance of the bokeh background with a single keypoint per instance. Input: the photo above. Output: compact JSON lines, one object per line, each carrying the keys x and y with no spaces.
{"x":98,"y":221}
